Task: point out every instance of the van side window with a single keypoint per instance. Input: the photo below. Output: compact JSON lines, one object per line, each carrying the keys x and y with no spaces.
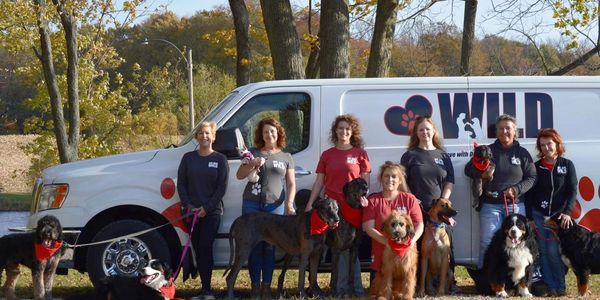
{"x":291,"y":109}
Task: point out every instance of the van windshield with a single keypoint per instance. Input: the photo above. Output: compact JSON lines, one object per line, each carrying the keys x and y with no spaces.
{"x":209,"y":117}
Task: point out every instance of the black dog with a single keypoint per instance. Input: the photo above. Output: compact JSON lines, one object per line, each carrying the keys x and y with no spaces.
{"x":580,"y":249}
{"x":347,"y":236}
{"x":40,"y":251}
{"x":152,"y":284}
{"x":482,"y":163}
{"x":292,"y":234}
{"x":509,"y":259}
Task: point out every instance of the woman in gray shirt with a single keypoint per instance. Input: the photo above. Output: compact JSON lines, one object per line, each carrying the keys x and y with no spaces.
{"x":275,"y":170}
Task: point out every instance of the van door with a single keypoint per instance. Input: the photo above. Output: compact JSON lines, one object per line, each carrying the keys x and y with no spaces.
{"x":295,"y":108}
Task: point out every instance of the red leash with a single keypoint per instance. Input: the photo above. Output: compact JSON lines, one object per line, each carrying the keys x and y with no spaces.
{"x":506,"y":204}
{"x":539,"y":234}
{"x":185,"y":249}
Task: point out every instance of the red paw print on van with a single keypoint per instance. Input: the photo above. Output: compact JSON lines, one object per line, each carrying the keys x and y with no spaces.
{"x":586,"y":210}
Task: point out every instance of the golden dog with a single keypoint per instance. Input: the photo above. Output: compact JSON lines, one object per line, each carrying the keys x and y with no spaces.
{"x":397,"y":277}
{"x":435,"y":247}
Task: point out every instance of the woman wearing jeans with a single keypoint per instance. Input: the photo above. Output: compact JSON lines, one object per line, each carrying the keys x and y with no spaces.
{"x":513,"y":177}
{"x":554,"y":193}
{"x":275,"y":170}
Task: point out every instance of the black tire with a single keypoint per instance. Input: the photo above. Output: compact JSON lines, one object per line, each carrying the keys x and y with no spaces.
{"x":125,"y":257}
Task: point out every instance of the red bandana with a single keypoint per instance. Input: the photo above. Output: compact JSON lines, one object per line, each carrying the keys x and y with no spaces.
{"x":168,"y":290}
{"x":399,"y":248}
{"x":480,"y":164}
{"x":547,"y":165}
{"x":42,"y":252}
{"x":317,"y":225}
{"x":351,"y":215}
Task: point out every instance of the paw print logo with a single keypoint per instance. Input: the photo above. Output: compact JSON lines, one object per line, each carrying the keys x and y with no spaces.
{"x":256,"y":188}
{"x":586,"y":207}
{"x":400,"y":120}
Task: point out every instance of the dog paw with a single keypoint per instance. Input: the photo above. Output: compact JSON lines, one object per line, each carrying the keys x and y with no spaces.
{"x":502,"y":294}
{"x":524,"y":292}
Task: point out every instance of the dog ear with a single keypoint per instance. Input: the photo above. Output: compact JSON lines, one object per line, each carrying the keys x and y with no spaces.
{"x":410,"y":227}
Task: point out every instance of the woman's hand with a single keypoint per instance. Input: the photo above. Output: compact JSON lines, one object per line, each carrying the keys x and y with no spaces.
{"x":258,"y":162}
{"x":510,"y":193}
{"x":565,"y":221}
{"x":290,"y":210}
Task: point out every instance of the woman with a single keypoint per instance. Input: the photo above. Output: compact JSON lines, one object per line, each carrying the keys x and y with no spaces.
{"x":429,"y":171}
{"x":513,"y":177}
{"x":392,"y":197}
{"x":345,"y":161}
{"x":554,"y":193}
{"x":201,"y":184}
{"x":273,"y":193}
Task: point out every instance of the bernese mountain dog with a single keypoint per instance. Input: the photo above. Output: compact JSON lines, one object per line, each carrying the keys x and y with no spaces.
{"x":509,"y":259}
{"x":580,"y":250}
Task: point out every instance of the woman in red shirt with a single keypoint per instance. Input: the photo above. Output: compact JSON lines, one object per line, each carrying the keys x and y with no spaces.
{"x":392,"y":197}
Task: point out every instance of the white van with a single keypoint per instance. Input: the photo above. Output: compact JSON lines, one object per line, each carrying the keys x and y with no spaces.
{"x":112,"y":196}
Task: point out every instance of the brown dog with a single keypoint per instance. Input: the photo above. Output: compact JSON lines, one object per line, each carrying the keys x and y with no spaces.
{"x":435,"y":247}
{"x":397,"y":276}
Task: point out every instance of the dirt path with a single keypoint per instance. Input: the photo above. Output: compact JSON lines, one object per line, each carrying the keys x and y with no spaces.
{"x":13,"y":163}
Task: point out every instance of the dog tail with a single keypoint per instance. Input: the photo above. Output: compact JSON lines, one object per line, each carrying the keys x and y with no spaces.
{"x":231,"y":249}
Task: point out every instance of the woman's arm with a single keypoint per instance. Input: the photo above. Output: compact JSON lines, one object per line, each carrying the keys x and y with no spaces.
{"x":182,"y":188}
{"x":419,"y":227}
{"x":447,"y":190}
{"x":369,"y":227}
{"x":245,"y":169}
{"x":290,"y":180}
{"x":316,"y":190}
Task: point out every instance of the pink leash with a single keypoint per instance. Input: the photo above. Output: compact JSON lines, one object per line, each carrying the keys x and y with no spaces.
{"x":186,"y":248}
{"x":506,"y":204}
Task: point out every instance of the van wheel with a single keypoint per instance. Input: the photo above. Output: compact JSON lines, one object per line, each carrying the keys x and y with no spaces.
{"x":126,"y":256}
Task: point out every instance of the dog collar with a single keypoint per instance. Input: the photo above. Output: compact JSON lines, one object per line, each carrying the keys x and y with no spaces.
{"x":350,"y":214}
{"x":399,"y":248}
{"x":480,"y":164}
{"x":168,"y":290}
{"x":42,"y":252}
{"x":317,"y":225}
{"x":437,"y":225}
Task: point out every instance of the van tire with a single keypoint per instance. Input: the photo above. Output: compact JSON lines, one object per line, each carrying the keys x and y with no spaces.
{"x":133,"y":254}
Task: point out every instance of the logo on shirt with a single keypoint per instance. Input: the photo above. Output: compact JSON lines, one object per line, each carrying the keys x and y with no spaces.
{"x":279,"y":164}
{"x":561,"y":170}
{"x":438,"y":161}
{"x":515,"y":161}
{"x":351,"y":160}
{"x":213,"y":164}
{"x":402,"y":209}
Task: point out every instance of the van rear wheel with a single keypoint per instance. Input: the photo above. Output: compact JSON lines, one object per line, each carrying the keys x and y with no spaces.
{"x":124,"y":256}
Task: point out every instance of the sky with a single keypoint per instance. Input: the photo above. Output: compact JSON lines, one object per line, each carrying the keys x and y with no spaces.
{"x":450,"y":11}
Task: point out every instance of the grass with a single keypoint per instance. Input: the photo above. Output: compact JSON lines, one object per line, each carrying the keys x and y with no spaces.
{"x":76,"y":283}
{"x":15,"y":201}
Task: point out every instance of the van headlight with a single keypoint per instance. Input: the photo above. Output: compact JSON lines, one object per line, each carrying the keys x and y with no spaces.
{"x":53,"y":196}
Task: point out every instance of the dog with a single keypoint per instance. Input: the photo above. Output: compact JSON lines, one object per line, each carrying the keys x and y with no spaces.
{"x":435,"y":247}
{"x":292,"y":234}
{"x":347,"y":236}
{"x":40,"y":251}
{"x":580,"y":250}
{"x":509,"y":260}
{"x":397,"y":277}
{"x":482,"y":162}
{"x":152,"y":284}
{"x":246,"y":156}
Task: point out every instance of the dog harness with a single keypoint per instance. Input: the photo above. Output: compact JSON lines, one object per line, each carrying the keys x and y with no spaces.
{"x":42,"y":252}
{"x":399,"y":248}
{"x":317,"y":225}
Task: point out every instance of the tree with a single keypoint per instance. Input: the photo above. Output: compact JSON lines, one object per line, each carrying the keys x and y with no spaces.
{"x":383,"y":38}
{"x":334,"y":35}
{"x":283,"y":39}
{"x":241,"y":22}
{"x":468,"y":36}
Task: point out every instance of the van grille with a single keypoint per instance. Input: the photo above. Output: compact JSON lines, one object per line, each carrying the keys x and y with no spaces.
{"x":36,"y":193}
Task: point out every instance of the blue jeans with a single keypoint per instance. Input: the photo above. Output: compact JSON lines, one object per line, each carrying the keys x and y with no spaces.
{"x":343,"y":277}
{"x":490,"y":220}
{"x":262,"y":257}
{"x":553,"y":270}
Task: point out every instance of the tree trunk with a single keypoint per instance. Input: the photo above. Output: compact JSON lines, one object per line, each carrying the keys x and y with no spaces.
{"x":241,"y":22}
{"x":468,"y":36}
{"x":334,"y":35}
{"x":283,"y":39}
{"x":383,"y":38}
{"x":67,"y":144}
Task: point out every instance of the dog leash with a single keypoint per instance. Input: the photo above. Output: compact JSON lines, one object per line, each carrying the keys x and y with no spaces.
{"x":185,"y":249}
{"x":506,"y":204}
{"x":539,"y":234}
{"x":134,"y":234}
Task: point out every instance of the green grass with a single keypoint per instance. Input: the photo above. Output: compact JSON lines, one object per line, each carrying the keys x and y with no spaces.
{"x":76,"y":283}
{"x":15,"y":201}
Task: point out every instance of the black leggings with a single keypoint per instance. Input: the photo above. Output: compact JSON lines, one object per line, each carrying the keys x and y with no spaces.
{"x":203,"y":237}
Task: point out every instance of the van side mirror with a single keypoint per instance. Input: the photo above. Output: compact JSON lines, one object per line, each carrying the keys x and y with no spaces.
{"x":229,"y":141}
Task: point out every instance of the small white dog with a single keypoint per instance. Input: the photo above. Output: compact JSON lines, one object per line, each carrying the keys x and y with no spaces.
{"x":246,"y":158}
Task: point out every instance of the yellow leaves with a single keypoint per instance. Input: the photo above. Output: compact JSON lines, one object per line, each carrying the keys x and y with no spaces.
{"x":245,"y":62}
{"x":571,"y":17}
{"x":230,"y":51}
{"x":220,"y":37}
